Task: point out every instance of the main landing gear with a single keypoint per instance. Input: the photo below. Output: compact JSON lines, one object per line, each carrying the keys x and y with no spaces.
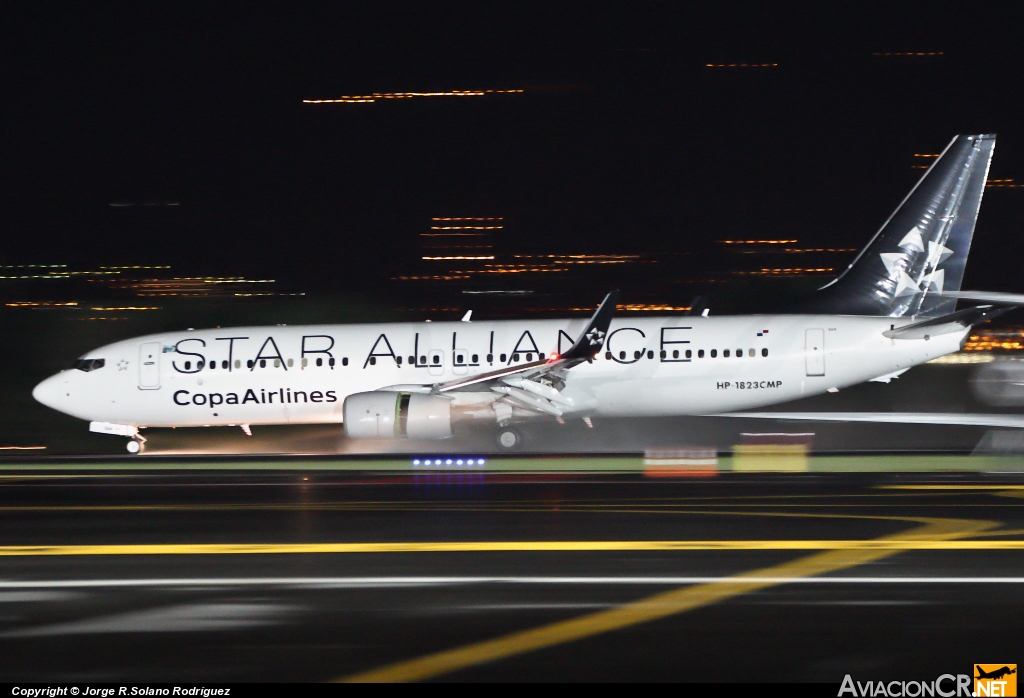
{"x":136,"y":445}
{"x":509,"y":438}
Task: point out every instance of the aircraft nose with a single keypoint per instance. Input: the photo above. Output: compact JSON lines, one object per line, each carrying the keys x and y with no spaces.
{"x":50,"y":391}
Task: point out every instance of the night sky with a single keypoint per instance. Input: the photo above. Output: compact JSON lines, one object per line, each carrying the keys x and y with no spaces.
{"x":622,"y":141}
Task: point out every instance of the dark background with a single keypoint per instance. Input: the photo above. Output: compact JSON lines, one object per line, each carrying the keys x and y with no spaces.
{"x":622,"y":142}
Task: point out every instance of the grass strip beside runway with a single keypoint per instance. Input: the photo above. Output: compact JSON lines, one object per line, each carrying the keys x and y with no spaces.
{"x":518,"y":464}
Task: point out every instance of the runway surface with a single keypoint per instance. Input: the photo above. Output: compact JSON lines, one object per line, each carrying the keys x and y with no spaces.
{"x":318,"y":576}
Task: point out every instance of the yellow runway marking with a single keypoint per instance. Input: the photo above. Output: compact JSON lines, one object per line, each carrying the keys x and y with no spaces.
{"x":964,"y":488}
{"x":660,"y":605}
{"x":888,"y":545}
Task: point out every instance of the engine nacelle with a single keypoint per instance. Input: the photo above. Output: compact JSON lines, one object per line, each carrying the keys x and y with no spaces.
{"x":386,"y":414}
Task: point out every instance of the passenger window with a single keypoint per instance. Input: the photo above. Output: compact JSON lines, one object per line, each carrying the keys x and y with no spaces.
{"x":398,"y":360}
{"x":637,"y":354}
{"x":423,"y":360}
{"x":650,"y":353}
{"x":622,"y":356}
{"x":608,"y":355}
{"x":277,"y":363}
{"x":344,"y":361}
{"x":412,"y":360}
{"x":476,"y":358}
{"x":490,"y":358}
{"x":700,"y":353}
{"x":305,"y":362}
{"x":751,"y":352}
{"x":714,"y":353}
{"x":199,"y":365}
{"x":373,"y":360}
{"x":764,"y":352}
{"x":689,"y":353}
{"x":291,"y":362}
{"x":504,"y":357}
{"x":330,"y":362}
{"x":529,"y":357}
{"x":459,"y":358}
{"x":263,"y":363}
{"x":319,"y":361}
{"x":540,"y":356}
{"x":238,"y":363}
{"x":436,"y":359}
{"x":188,"y":365}
{"x":250,"y":363}
{"x":725,"y":353}
{"x":515,"y":357}
{"x":225,"y":364}
{"x":739,"y":353}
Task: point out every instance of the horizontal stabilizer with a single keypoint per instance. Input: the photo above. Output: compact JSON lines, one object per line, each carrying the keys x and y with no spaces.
{"x":994,"y":297}
{"x":947,"y":324}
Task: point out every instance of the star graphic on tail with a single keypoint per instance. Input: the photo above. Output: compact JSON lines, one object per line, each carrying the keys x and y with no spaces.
{"x":595,"y":336}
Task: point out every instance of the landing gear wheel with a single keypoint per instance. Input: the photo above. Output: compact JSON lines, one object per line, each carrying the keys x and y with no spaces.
{"x":134,"y":446}
{"x":509,"y":439}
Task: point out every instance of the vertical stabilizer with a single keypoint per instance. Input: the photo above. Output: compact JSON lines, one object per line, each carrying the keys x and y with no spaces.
{"x":922,"y":249}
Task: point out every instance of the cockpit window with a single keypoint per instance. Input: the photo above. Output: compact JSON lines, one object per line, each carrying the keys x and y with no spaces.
{"x":88,"y":364}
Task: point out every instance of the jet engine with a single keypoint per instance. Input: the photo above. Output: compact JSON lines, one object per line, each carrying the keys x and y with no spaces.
{"x":386,"y":414}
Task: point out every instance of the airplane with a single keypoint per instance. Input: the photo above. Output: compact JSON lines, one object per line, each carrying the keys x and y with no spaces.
{"x":893,"y":308}
{"x":994,"y":674}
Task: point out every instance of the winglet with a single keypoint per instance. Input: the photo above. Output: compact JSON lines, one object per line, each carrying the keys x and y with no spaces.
{"x":591,"y":340}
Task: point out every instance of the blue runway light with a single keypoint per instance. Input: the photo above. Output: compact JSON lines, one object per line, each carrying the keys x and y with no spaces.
{"x":447,"y":462}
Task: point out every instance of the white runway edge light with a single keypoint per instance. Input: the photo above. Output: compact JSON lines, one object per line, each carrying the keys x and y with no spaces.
{"x":449,"y":462}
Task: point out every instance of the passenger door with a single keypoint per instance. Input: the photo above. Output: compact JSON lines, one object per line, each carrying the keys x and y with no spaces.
{"x":814,"y":351}
{"x":149,"y":366}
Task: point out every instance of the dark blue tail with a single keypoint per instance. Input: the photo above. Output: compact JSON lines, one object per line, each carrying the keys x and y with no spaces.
{"x":922,"y":249}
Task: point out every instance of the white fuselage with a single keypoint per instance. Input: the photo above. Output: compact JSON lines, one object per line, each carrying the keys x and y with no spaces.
{"x":658,"y":366}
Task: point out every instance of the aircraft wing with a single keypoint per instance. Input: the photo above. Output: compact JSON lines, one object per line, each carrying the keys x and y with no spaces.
{"x":585,"y":348}
{"x":1008,"y":421}
{"x":536,"y":386}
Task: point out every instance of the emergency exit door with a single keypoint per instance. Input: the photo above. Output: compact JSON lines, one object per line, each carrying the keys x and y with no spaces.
{"x":814,"y":345}
{"x":149,"y":366}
